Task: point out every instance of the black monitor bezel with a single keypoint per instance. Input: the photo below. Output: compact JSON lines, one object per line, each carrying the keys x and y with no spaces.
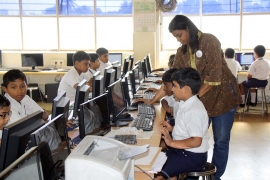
{"x":56,"y":100}
{"x":69,"y":59}
{"x":97,"y":90}
{"x":240,"y":60}
{"x":117,"y":68}
{"x":40,"y":58}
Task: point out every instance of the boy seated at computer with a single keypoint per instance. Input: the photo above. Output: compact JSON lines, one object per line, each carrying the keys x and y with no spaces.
{"x":103,"y":59}
{"x":258,"y":75}
{"x":233,"y":65}
{"x":74,"y":76}
{"x":188,"y":145}
{"x":5,"y":113}
{"x":93,"y":66}
{"x":15,"y":88}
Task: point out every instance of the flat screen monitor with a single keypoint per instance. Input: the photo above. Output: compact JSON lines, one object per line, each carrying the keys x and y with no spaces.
{"x":98,"y":84}
{"x":60,"y":104}
{"x":27,"y":166}
{"x":131,"y":59}
{"x":32,"y":60}
{"x":139,"y":76}
{"x":15,"y":138}
{"x":116,"y":97}
{"x":144,"y":69}
{"x":94,"y":116}
{"x":132,"y":81}
{"x":115,"y":57}
{"x":54,"y":133}
{"x":82,"y":94}
{"x":147,"y":61}
{"x":126,"y":90}
{"x":117,"y":68}
{"x":109,"y":76}
{"x":244,"y":58}
{"x":125,"y":66}
{"x":69,"y":59}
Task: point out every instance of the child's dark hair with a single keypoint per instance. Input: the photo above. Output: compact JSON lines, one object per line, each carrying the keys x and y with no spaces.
{"x":93,"y":57}
{"x":101,"y":51}
{"x":171,"y":60}
{"x":229,"y":53}
{"x":260,"y":50}
{"x":188,"y":77}
{"x":12,"y":75}
{"x":80,"y":56}
{"x":167,"y":76}
{"x":4,"y":102}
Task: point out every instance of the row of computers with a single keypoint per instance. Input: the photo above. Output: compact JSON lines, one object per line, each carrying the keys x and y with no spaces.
{"x":94,"y":116}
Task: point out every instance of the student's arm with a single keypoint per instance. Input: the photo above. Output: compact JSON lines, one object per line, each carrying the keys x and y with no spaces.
{"x":165,"y":105}
{"x":45,"y":115}
{"x":152,"y":89}
{"x":159,"y":94}
{"x":159,"y":69}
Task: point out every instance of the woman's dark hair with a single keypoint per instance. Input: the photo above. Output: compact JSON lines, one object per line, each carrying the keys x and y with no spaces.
{"x":12,"y":75}
{"x":260,"y":50}
{"x":180,"y":22}
{"x":93,"y":57}
{"x":188,"y":77}
{"x":4,"y":102}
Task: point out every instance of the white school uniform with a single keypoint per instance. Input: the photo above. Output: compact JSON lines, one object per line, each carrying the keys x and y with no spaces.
{"x":102,"y":66}
{"x":233,"y":65}
{"x":88,"y":74}
{"x":192,"y":121}
{"x":259,"y":69}
{"x":68,"y":81}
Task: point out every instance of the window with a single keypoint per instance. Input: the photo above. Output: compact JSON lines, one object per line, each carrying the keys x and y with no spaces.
{"x":34,"y":7}
{"x":78,"y":7}
{"x":114,"y":7}
{"x":256,"y":6}
{"x":9,"y":7}
{"x":188,"y":7}
{"x":220,"y":6}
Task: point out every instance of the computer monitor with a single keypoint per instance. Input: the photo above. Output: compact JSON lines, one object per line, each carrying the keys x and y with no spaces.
{"x":82,"y":94}
{"x":244,"y":58}
{"x":115,"y":57}
{"x":147,"y":61}
{"x":54,"y":133}
{"x":116,"y":97}
{"x":125,"y":66}
{"x":139,"y":74}
{"x":109,"y":76}
{"x":69,"y":59}
{"x":131,"y":59}
{"x":94,"y":116}
{"x":117,"y":68}
{"x":144,"y":69}
{"x":32,"y":60}
{"x":132,"y":81}
{"x":60,"y":104}
{"x":15,"y":138}
{"x":98,"y":84}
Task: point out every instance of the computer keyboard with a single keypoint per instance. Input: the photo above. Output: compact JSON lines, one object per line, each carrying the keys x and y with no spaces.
{"x":146,"y":109}
{"x":149,"y":95}
{"x":143,"y":122}
{"x":154,"y":85}
{"x":29,"y":70}
{"x":62,"y":70}
{"x":127,"y":139}
{"x":152,"y":79}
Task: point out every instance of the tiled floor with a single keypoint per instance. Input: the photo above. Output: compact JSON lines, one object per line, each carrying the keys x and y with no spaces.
{"x":249,"y":156}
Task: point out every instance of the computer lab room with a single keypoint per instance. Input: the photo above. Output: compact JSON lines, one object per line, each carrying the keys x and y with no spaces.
{"x":134,"y":90}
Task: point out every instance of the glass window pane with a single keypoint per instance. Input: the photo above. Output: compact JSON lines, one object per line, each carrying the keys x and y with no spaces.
{"x":78,"y":7}
{"x":115,"y":33}
{"x":77,"y":33}
{"x":9,"y":7}
{"x":187,"y":7}
{"x":256,"y":6}
{"x":225,"y":28}
{"x":255,"y":31}
{"x":40,"y":33}
{"x":168,"y":41}
{"x":33,"y":7}
{"x":220,"y":6}
{"x":114,"y":7}
{"x":10,"y":33}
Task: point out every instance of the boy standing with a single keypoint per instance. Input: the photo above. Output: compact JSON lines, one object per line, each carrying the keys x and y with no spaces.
{"x":258,"y":75}
{"x":103,"y":59}
{"x":93,"y":66}
{"x":15,"y":88}
{"x":5,"y":113}
{"x":74,"y":76}
{"x":233,"y":65}
{"x":189,"y":146}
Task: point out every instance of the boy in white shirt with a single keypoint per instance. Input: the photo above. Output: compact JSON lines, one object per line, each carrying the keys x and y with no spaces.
{"x":93,"y":66}
{"x":189,"y":141}
{"x":74,"y":76}
{"x":5,"y":113}
{"x":15,"y":88}
{"x":233,"y":65}
{"x":103,"y":59}
{"x":258,"y":75}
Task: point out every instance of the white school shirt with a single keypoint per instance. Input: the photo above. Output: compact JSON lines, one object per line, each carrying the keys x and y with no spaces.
{"x":68,"y":81}
{"x":233,"y":65}
{"x":259,"y":69}
{"x":88,"y":74}
{"x":170,"y":100}
{"x":102,"y":66}
{"x":192,"y":121}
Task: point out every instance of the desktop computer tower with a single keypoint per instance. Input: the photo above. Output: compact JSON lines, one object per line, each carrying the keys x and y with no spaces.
{"x":51,"y":91}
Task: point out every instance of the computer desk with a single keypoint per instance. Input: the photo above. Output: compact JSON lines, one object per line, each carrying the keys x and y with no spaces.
{"x":153,"y":141}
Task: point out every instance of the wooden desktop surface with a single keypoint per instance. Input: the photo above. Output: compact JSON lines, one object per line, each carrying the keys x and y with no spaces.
{"x":39,"y":73}
{"x":154,"y":141}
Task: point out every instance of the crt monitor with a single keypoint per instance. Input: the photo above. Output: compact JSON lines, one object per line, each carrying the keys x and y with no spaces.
{"x":117,"y":68}
{"x":115,"y":57}
{"x":32,"y":60}
{"x":94,"y":116}
{"x":244,"y":58}
{"x":109,"y":76}
{"x":98,"y":84}
{"x":116,"y":97}
{"x":82,"y":94}
{"x":60,"y":104}
{"x":69,"y":59}
{"x":15,"y":138}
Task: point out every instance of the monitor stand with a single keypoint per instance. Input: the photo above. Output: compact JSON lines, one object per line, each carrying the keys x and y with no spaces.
{"x":119,"y":124}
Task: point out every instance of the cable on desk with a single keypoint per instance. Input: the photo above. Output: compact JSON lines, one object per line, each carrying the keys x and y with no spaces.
{"x":144,"y":172}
